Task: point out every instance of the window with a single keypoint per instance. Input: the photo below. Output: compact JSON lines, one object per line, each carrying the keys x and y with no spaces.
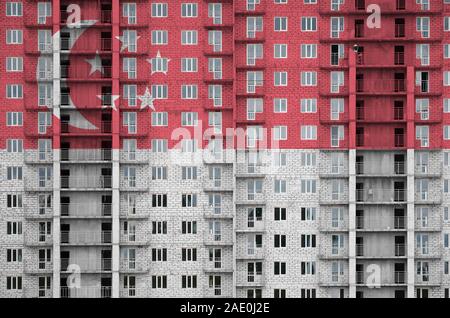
{"x":309,"y":24}
{"x":159,"y":173}
{"x":159,"y":119}
{"x":254,"y":79}
{"x":254,"y":52}
{"x":308,"y":240}
{"x":215,"y":121}
{"x":14,"y":255}
{"x":160,"y":37}
{"x":308,"y":78}
{"x":337,"y":26}
{"x":130,"y":122}
{"x":308,"y":105}
{"x":159,"y":91}
{"x":215,"y":67}
{"x":189,"y":227}
{"x":189,"y":145}
{"x":189,"y":173}
{"x":279,"y":240}
{"x":308,"y":186}
{"x":280,"y":24}
{"x":254,"y":187}
{"x":280,"y":51}
{"x":44,"y":11}
{"x":159,"y":200}
{"x":189,"y":200}
{"x":254,"y":24}
{"x":279,"y":293}
{"x":280,"y":78}
{"x":336,"y":108}
{"x":337,"y":80}
{"x":280,"y":105}
{"x":159,"y":227}
{"x":159,"y":254}
{"x":447,"y":132}
{"x":13,"y":228}
{"x":308,"y":268}
{"x":14,"y":173}
{"x":189,"y":118}
{"x":308,"y":51}
{"x":129,"y":11}
{"x":280,"y":132}
{"x":189,"y":37}
{"x":215,"y":40}
{"x":14,"y":145}
{"x":215,"y":12}
{"x":423,"y":53}
{"x":215,"y":93}
{"x":130,"y":94}
{"x":254,"y":106}
{"x":130,"y":40}
{"x":423,"y":26}
{"x":337,"y":135}
{"x":129,"y":66}
{"x":308,"y":132}
{"x":189,"y":91}
{"x":189,"y":10}
{"x":308,"y":159}
{"x":189,"y":64}
{"x":14,"y":91}
{"x":279,"y":214}
{"x":159,"y":281}
{"x":14,"y":119}
{"x":279,"y":268}
{"x":159,"y":10}
{"x":308,"y":214}
{"x":13,"y":9}
{"x":14,"y":282}
{"x":280,"y":186}
{"x":14,"y":37}
{"x":188,"y":254}
{"x":159,"y":145}
{"x":14,"y":64}
{"x":188,"y":281}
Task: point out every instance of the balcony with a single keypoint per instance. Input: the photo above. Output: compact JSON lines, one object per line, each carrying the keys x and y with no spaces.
{"x":428,"y":252}
{"x":35,"y":212}
{"x":250,"y":253}
{"x":217,"y":185}
{"x":253,"y":226}
{"x":332,"y":252}
{"x":380,"y":115}
{"x":381,"y":87}
{"x":245,"y":170}
{"x":131,"y":265}
{"x":218,"y":239}
{"x":86,"y":292}
{"x":387,"y":279}
{"x":390,"y":7}
{"x":217,"y":265}
{"x":38,"y":239}
{"x":85,"y":210}
{"x":376,"y":224}
{"x":68,"y":129}
{"x":38,"y":266}
{"x":104,"y":18}
{"x":327,"y":197}
{"x":35,"y":184}
{"x":247,"y":8}
{"x":87,"y":265}
{"x":398,"y":169}
{"x":392,"y":251}
{"x":426,"y":170}
{"x":223,"y":211}
{"x":86,"y":155}
{"x":328,"y":225}
{"x":68,"y":44}
{"x":428,"y":279}
{"x":37,"y":157}
{"x":131,"y":238}
{"x":86,"y":237}
{"x":380,"y":196}
{"x":72,"y":73}
{"x":86,"y":182}
{"x":365,"y":60}
{"x":333,"y":280}
{"x":251,"y":280}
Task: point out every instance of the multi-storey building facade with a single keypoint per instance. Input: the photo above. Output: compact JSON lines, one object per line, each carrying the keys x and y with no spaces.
{"x":220,"y":148}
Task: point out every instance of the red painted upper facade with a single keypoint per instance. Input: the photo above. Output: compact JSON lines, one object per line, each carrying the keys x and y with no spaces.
{"x":277,"y":64}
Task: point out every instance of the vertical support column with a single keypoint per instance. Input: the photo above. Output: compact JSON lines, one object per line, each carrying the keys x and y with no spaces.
{"x":56,"y":150}
{"x":235,"y":153}
{"x":115,"y":151}
{"x":410,"y":132}
{"x":352,"y":175}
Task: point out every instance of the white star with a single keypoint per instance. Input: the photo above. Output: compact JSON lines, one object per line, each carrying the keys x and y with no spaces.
{"x":158,"y":56}
{"x":124,"y":44}
{"x":113,"y":101}
{"x":96,"y":64}
{"x":147,"y":100}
